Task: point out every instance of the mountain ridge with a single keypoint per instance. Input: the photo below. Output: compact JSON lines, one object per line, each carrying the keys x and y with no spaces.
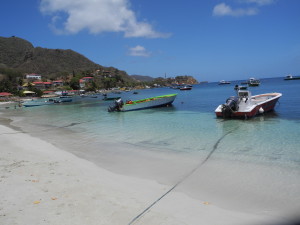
{"x":20,"y":54}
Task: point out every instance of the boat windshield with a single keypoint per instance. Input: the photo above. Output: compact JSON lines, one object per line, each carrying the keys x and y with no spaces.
{"x":243,"y":94}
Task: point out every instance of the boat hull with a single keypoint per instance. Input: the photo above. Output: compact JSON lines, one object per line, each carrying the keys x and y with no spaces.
{"x":65,"y":99}
{"x":185,"y":89}
{"x":293,"y":78}
{"x":257,"y":107}
{"x":154,"y":102}
{"x":33,"y":104}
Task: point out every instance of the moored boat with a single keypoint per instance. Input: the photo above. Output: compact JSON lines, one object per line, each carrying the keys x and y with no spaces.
{"x":290,"y":77}
{"x":65,"y":98}
{"x":106,"y":98}
{"x":224,"y":82}
{"x":32,"y":103}
{"x":146,"y":103}
{"x":246,"y":106}
{"x":237,"y":87}
{"x":253,"y":82}
{"x":185,"y":88}
{"x":110,"y":98}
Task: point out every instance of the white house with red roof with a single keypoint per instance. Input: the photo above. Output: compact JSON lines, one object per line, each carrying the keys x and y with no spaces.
{"x":83,"y":81}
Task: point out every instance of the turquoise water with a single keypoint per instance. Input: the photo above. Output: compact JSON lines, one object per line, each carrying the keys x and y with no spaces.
{"x":188,"y":126}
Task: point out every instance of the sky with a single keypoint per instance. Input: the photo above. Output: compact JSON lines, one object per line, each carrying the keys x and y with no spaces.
{"x":210,"y":40}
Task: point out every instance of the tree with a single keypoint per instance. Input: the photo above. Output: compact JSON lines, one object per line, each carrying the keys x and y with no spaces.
{"x":38,"y":92}
{"x":74,"y":83}
{"x":109,"y":82}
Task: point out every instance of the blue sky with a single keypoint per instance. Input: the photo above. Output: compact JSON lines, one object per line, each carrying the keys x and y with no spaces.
{"x":211,"y":40}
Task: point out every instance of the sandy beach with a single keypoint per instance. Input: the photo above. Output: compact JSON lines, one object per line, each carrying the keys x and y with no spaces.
{"x":42,"y":184}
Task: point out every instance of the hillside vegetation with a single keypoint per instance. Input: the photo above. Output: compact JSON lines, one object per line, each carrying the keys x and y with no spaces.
{"x":19,"y":57}
{"x":17,"y":53}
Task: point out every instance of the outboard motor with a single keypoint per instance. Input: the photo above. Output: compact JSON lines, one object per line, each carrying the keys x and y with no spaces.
{"x":117,"y":106}
{"x":231,"y":105}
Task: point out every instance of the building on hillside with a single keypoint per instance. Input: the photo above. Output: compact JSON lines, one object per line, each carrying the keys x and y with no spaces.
{"x":39,"y":85}
{"x":84,"y":81}
{"x":42,"y":85}
{"x":33,"y":76}
{"x":106,"y":74}
{"x":27,"y":85}
{"x":48,"y":85}
{"x":5,"y":96}
{"x":58,"y":83}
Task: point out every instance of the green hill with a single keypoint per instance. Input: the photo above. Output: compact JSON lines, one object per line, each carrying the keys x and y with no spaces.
{"x":17,"y":53}
{"x":143,"y":78}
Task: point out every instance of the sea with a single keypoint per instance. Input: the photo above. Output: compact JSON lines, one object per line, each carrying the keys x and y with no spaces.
{"x":188,"y":127}
{"x":250,"y":165}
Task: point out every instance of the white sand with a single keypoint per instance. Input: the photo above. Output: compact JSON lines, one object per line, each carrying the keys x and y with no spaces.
{"x":41,"y":184}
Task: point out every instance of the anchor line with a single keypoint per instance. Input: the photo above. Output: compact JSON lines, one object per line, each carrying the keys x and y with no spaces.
{"x":49,"y":129}
{"x":180,"y":181}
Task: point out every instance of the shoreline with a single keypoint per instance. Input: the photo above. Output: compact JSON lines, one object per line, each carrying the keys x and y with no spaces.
{"x":60,"y":188}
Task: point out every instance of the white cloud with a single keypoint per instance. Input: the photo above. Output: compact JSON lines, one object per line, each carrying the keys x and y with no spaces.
{"x":139,"y":51}
{"x":96,"y":16}
{"x":225,"y":10}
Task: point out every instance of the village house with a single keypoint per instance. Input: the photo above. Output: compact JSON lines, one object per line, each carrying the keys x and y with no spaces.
{"x":42,"y":85}
{"x":33,"y":76}
{"x":83,"y":81}
{"x":48,"y":85}
{"x":58,"y":83}
{"x":38,"y":85}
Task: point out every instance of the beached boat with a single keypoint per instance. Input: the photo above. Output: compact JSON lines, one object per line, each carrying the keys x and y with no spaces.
{"x":245,"y":106}
{"x":146,"y":103}
{"x":290,"y":77}
{"x":224,"y":82}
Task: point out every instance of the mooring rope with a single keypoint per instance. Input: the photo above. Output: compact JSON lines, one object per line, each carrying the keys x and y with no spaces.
{"x":47,"y":129}
{"x":184,"y":178}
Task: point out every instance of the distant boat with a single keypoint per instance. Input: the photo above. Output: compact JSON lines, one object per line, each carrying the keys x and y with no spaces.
{"x":88,"y":96}
{"x":65,"y":98}
{"x":39,"y":102}
{"x":176,"y":86}
{"x":224,"y":82}
{"x":110,"y":98}
{"x":253,"y":82}
{"x":146,"y":103}
{"x":246,"y":106}
{"x":290,"y":77}
{"x":186,"y":88}
{"x":237,"y":87}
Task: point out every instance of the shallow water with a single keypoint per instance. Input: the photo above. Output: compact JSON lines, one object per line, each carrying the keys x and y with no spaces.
{"x":237,"y":164}
{"x":188,"y":126}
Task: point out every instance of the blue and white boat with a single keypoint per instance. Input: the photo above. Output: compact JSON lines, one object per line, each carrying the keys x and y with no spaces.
{"x":65,"y":98}
{"x":32,"y":103}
